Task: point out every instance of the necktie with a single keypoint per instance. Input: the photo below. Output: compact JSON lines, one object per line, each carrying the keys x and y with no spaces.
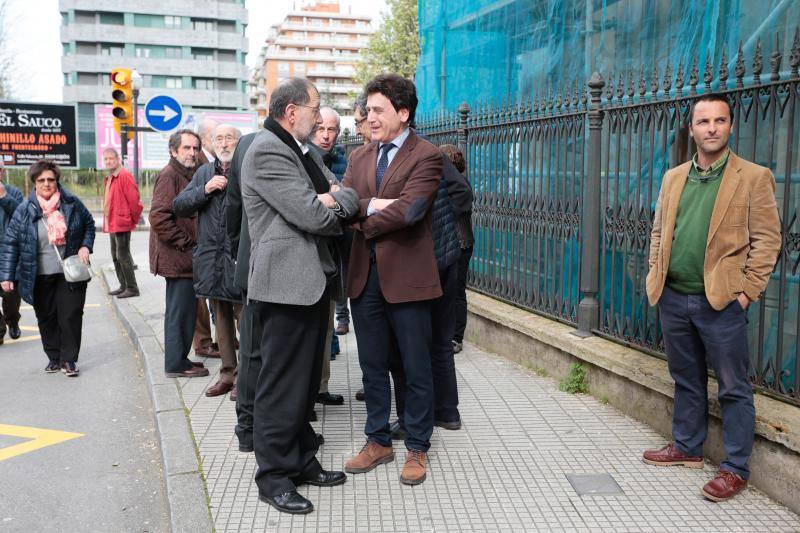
{"x":383,"y":164}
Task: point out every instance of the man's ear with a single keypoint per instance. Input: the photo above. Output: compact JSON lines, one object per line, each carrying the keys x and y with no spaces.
{"x":403,"y":114}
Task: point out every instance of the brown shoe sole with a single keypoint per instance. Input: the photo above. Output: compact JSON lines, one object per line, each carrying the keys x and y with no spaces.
{"x":381,"y":461}
{"x":407,"y":481}
{"x":688,"y":464}
{"x":717,"y":498}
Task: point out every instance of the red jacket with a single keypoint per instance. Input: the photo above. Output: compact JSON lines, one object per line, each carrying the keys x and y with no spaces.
{"x":124,"y":206}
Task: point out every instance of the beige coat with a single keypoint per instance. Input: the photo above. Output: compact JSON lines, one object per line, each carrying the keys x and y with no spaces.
{"x":744,"y":236}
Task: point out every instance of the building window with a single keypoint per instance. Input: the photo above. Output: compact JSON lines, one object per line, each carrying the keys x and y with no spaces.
{"x":66,"y":49}
{"x":283,"y":67}
{"x":143,"y":51}
{"x":64,"y":19}
{"x":87,"y":78}
{"x":172,"y":21}
{"x":67,"y":79}
{"x":173,"y":52}
{"x":117,"y":19}
{"x":226,"y":26}
{"x":203,"y":54}
{"x":84,"y":17}
{"x":174,"y":82}
{"x":112,"y":50}
{"x":202,"y":25}
{"x":226,"y":55}
{"x":206,"y":84}
{"x":227,"y":85}
{"x":300,"y":68}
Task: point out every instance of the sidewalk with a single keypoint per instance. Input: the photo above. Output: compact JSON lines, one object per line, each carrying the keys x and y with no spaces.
{"x":507,"y":469}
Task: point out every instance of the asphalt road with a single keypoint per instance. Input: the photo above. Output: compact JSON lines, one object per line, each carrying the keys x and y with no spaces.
{"x":108,"y":479}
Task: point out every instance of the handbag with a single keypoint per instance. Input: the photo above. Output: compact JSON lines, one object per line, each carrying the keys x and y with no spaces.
{"x":74,"y":269}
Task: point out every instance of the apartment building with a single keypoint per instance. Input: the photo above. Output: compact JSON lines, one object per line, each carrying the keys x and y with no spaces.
{"x":193,"y":50}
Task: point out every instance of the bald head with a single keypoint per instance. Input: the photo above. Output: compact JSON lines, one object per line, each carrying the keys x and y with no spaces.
{"x":206,"y":132}
{"x":328,"y":131}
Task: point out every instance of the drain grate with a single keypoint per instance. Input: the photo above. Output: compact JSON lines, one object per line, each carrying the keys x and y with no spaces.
{"x":594,"y":484}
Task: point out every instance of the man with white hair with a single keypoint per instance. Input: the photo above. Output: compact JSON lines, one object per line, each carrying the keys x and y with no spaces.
{"x":206,"y":130}
{"x":212,"y":262}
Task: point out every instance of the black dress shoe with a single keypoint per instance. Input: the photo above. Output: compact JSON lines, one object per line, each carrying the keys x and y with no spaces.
{"x":326,"y":398}
{"x":360,"y":394}
{"x":327,"y":478}
{"x":313,"y":416}
{"x":398,"y":431}
{"x":245,"y":447}
{"x":14,"y":331}
{"x":452,"y":426}
{"x":320,"y":439}
{"x":120,"y":290}
{"x":289,"y":502}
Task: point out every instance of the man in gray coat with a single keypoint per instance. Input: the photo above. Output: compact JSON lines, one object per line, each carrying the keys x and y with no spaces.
{"x":293,"y":215}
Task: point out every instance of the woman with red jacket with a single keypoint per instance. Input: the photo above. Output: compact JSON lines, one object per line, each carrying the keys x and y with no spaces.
{"x":121,"y":211}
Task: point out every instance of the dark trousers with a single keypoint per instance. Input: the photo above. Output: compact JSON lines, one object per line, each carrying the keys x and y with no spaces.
{"x":460,"y":305}
{"x":10,"y":314}
{"x":123,"y":261}
{"x":58,"y":306}
{"x":179,"y":320}
{"x":443,"y":368}
{"x":695,"y":334}
{"x":247,"y":378}
{"x":292,"y":339}
{"x":379,"y":325}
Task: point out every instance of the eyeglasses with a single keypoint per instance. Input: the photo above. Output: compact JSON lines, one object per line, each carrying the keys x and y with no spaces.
{"x":314,"y":109}
{"x":359,"y":122}
{"x":45,"y":180}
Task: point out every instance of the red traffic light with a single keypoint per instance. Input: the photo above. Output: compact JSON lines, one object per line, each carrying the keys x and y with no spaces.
{"x":120,"y":77}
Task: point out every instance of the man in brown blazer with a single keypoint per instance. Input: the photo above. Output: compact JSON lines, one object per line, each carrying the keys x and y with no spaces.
{"x":393,"y":275}
{"x":715,"y":239}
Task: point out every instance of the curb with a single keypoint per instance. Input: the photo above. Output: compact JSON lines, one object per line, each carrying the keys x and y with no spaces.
{"x":186,"y":488}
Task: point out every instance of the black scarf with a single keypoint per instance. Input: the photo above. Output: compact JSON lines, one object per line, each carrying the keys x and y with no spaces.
{"x":318,"y":178}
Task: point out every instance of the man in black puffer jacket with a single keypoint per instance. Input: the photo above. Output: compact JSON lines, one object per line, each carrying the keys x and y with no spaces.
{"x":212,"y":261}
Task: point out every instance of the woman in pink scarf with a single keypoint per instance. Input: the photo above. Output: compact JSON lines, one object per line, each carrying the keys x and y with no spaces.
{"x":52,"y":218}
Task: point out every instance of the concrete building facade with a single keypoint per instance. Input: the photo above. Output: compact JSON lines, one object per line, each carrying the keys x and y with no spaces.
{"x":191,"y":50}
{"x":320,"y":43}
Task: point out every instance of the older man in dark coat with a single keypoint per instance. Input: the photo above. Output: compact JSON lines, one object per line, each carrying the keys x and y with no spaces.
{"x":171,"y":243}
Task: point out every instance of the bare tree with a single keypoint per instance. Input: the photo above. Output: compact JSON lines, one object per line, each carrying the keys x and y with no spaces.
{"x":7,"y":63}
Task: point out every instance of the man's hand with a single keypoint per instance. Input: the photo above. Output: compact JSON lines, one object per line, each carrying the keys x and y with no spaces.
{"x":327,"y":200}
{"x":335,"y":187}
{"x":217,"y":183}
{"x":83,"y":255}
{"x":744,"y":301}
{"x":2,"y":190}
{"x":7,"y":286}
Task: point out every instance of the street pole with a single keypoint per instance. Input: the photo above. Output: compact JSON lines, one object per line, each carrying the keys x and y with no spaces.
{"x":136,"y":135}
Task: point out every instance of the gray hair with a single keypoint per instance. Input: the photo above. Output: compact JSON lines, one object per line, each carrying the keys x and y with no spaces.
{"x":335,"y":114}
{"x":110,"y":150}
{"x":205,"y":126}
{"x":360,"y":104}
{"x":292,"y":91}
{"x":175,"y":139}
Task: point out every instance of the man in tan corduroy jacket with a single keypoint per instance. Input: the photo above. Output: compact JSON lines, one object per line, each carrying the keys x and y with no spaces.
{"x":715,"y":239}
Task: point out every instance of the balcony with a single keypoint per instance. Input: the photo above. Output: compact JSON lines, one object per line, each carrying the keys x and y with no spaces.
{"x":166,"y":67}
{"x":187,"y":97}
{"x":337,"y":29}
{"x":211,"y":10}
{"x":160,"y":36}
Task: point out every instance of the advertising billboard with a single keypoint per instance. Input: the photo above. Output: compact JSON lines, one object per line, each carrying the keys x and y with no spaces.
{"x":153,"y":151}
{"x":30,"y":131}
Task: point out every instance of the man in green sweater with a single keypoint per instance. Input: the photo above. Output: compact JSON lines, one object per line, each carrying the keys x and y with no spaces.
{"x":715,"y":239}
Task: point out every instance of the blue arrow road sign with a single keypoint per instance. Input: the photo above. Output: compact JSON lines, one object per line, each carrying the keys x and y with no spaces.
{"x":163,"y":113}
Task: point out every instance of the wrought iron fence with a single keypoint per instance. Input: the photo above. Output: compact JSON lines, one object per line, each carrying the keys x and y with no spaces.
{"x":565,"y":187}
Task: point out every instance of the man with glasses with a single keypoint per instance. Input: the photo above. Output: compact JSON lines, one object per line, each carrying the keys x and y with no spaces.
{"x":293,"y":214}
{"x":10,"y":198}
{"x":212,"y":263}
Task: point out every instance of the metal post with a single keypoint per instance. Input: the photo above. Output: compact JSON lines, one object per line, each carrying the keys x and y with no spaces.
{"x":463,"y":132}
{"x":589,"y":307}
{"x":123,"y":144}
{"x":136,"y":135}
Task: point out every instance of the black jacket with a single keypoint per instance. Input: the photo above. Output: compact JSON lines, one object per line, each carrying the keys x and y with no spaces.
{"x":236,"y":220}
{"x":212,"y":261}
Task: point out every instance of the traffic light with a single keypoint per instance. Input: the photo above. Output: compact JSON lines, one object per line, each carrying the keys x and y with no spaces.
{"x":122,"y":94}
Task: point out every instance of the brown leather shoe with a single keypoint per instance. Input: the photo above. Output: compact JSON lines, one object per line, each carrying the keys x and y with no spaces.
{"x":670,"y":455}
{"x":724,"y":486}
{"x":415,"y":469}
{"x":198,"y":364}
{"x":218,"y":389}
{"x":370,"y":456}
{"x":342,"y":328}
{"x":128,"y":293}
{"x":207,"y":351}
{"x":194,"y":372}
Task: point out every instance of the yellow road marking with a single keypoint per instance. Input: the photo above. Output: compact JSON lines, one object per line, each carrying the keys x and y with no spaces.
{"x":23,"y":339}
{"x":28,"y":328}
{"x":40,"y":438}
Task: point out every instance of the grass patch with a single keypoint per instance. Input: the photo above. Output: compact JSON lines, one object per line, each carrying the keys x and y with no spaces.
{"x":575,"y":381}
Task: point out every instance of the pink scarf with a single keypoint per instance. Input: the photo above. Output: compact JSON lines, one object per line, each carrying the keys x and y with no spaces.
{"x":56,"y":225}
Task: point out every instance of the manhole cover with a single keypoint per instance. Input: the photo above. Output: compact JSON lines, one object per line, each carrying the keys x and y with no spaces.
{"x":594,"y":484}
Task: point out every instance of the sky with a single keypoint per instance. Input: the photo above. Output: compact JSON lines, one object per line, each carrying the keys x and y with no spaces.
{"x":34,"y":39}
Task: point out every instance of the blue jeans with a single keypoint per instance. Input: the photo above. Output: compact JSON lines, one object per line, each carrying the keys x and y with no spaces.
{"x":696,"y":334}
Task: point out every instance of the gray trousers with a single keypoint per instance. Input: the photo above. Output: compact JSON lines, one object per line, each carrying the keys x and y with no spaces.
{"x":123,"y":261}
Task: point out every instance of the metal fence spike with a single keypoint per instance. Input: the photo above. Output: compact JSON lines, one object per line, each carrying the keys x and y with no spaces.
{"x":679,"y":79}
{"x":608,"y":90}
{"x":723,"y":70}
{"x":642,"y":85}
{"x":794,"y":56}
{"x":631,"y":90}
{"x":621,"y":86}
{"x":654,"y":82}
{"x":708,"y":74}
{"x":694,"y":77}
{"x":739,"y":70}
{"x":758,"y":64}
{"x":667,"y":83}
{"x":775,"y":60}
